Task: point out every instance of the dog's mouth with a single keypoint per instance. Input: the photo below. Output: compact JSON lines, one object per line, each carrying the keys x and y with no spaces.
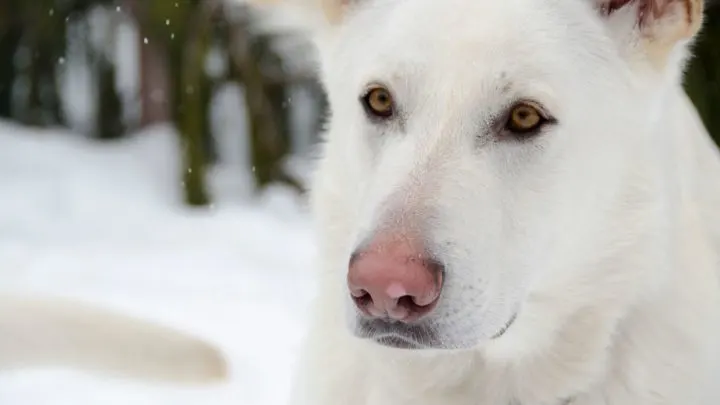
{"x":419,"y":336}
{"x":398,"y":342}
{"x":505,"y":327}
{"x":398,"y":335}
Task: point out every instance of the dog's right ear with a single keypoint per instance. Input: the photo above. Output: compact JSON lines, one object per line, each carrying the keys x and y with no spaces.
{"x":654,"y":28}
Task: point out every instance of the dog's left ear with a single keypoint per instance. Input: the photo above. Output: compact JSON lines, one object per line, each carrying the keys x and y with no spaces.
{"x":658,"y":26}
{"x":333,"y":11}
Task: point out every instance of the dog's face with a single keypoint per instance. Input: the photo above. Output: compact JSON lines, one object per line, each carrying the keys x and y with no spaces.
{"x":487,"y":149}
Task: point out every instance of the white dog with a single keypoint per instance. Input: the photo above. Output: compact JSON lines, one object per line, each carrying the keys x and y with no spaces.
{"x":517,"y":204}
{"x":58,"y":332}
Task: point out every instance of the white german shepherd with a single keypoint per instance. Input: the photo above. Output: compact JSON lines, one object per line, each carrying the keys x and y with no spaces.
{"x":62,"y":333}
{"x":517,"y":204}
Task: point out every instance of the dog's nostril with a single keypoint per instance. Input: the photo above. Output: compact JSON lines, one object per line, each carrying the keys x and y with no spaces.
{"x":359,"y":293}
{"x":408,"y":303}
{"x":362,"y":299}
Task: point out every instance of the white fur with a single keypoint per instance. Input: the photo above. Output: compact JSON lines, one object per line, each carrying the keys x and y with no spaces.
{"x":56,"y":332}
{"x":602,"y":232}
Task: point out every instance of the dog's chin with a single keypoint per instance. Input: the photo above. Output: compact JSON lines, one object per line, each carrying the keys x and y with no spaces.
{"x":416,"y":337}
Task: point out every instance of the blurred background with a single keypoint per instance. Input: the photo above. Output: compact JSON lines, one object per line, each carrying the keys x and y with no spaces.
{"x":236,"y":87}
{"x":154,"y":158}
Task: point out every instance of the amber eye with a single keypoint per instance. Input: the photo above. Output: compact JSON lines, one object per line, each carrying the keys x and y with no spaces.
{"x":524,"y":118}
{"x":379,"y":102}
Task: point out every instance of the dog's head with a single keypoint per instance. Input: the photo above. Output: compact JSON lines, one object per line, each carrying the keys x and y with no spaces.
{"x":484,"y":171}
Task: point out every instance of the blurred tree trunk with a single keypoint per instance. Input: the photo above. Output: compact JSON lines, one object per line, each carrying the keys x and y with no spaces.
{"x":110,"y":124}
{"x":268,"y":144}
{"x":154,"y":92}
{"x":270,"y":64}
{"x":702,"y":80}
{"x":42,"y":42}
{"x":193,"y":111}
{"x":10,"y":35}
{"x":42,"y":105}
{"x":31,"y":110}
{"x":154,"y":83}
{"x":183,"y":32}
{"x":206,"y":89}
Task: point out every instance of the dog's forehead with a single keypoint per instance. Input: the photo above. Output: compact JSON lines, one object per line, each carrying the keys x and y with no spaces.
{"x":452,"y":38}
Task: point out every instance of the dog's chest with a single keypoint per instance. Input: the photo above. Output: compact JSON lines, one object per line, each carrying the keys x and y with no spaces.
{"x":383,"y":399}
{"x":468,"y":402}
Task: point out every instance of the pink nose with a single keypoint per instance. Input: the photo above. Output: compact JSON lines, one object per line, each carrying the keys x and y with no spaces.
{"x":393,"y":277}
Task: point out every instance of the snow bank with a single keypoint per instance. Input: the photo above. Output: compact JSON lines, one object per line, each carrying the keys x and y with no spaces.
{"x":102,"y":223}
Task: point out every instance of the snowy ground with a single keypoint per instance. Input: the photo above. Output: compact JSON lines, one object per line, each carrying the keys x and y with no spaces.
{"x":103,"y":223}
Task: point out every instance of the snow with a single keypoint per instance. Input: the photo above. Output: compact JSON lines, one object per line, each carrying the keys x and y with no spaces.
{"x":104,"y":223}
